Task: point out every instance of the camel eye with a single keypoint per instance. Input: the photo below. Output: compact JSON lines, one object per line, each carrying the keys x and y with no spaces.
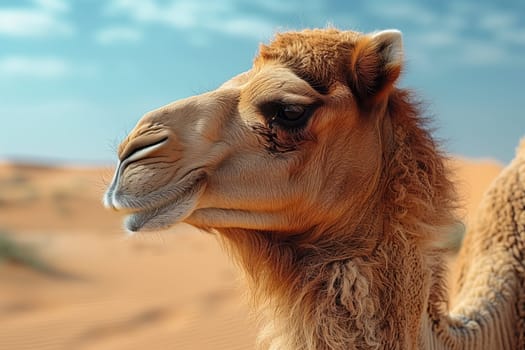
{"x":291,"y":112}
{"x":291,"y":116}
{"x":286,"y":115}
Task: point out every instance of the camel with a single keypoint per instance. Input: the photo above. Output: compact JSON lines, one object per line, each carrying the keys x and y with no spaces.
{"x":320,"y":176}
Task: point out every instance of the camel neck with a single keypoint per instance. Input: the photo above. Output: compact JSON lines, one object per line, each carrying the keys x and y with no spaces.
{"x":325,"y":297}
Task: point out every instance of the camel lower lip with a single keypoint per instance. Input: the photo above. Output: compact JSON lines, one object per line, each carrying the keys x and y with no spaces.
{"x":139,"y":220}
{"x":168,"y":214}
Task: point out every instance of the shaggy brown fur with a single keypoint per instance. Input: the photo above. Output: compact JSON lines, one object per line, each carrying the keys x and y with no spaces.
{"x":337,"y":221}
{"x":489,"y":300}
{"x":344,"y":286}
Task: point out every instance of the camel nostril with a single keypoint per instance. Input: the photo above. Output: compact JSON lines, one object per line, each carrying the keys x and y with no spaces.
{"x":139,"y":149}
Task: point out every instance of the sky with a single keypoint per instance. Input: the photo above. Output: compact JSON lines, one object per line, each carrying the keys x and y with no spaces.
{"x":75,"y":76}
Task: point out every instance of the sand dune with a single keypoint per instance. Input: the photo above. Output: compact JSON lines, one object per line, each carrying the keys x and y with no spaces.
{"x":174,"y":290}
{"x":141,"y":293}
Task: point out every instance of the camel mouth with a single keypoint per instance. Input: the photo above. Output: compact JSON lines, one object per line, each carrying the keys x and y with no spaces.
{"x":168,"y":213}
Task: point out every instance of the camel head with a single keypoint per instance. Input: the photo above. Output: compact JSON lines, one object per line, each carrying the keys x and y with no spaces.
{"x":295,"y":142}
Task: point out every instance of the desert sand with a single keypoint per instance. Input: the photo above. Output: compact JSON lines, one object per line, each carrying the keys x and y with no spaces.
{"x":102,"y":289}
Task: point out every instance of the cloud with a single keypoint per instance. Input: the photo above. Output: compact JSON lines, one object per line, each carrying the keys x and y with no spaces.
{"x":44,"y":19}
{"x":113,"y":35}
{"x":53,"y":5}
{"x":483,"y":53}
{"x":505,"y":27}
{"x":497,"y":20}
{"x":45,"y":67}
{"x":249,"y":27}
{"x":290,"y":7}
{"x":224,"y":17}
{"x":34,"y":67}
{"x":409,"y":12}
{"x":436,"y":39}
{"x":513,"y":36}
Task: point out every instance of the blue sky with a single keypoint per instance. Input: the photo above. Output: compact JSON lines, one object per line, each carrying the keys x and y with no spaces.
{"x":75,"y":76}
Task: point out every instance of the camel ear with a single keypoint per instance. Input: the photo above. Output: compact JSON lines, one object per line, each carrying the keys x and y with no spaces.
{"x":375,"y":65}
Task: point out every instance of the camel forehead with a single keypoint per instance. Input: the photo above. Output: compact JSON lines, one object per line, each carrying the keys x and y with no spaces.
{"x":318,"y":56}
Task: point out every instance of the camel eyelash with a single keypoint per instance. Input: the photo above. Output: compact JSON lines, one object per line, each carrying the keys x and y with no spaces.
{"x":271,"y":140}
{"x":278,"y":141}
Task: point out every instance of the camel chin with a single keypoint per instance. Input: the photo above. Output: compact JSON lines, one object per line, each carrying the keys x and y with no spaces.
{"x":166,"y":215}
